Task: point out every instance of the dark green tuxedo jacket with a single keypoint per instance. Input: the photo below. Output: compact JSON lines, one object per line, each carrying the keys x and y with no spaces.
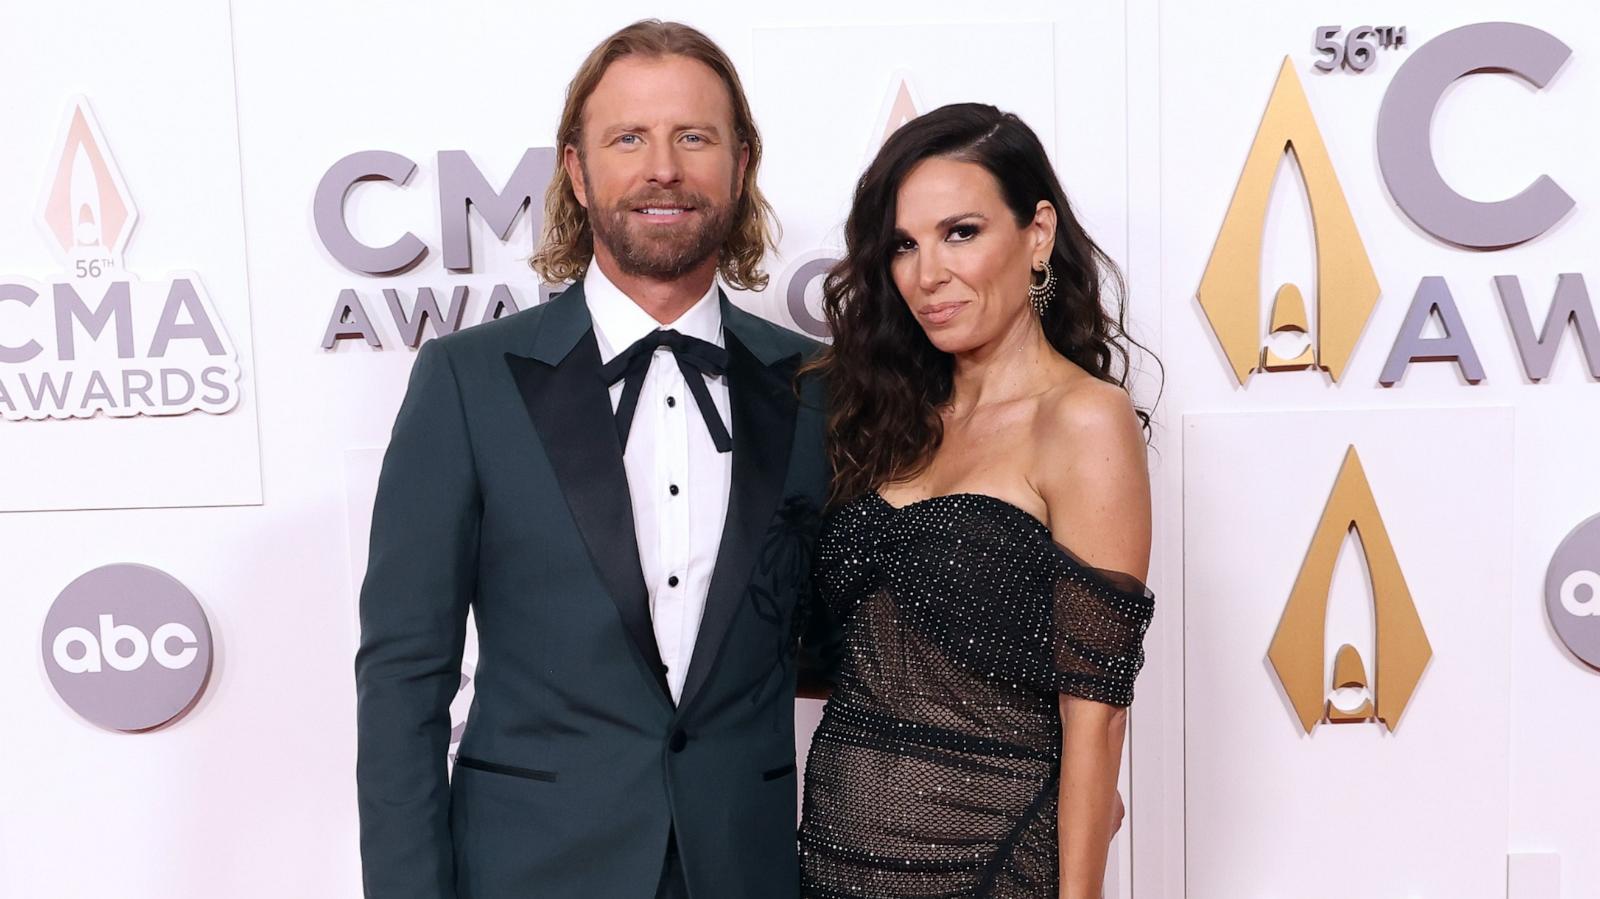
{"x":503,"y":490}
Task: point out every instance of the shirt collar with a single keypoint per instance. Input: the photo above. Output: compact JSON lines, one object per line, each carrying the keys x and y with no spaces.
{"x":619,"y":322}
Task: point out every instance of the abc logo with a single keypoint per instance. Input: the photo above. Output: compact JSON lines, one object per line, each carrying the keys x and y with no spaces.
{"x":127,"y":647}
{"x":1572,"y":591}
{"x":113,"y":636}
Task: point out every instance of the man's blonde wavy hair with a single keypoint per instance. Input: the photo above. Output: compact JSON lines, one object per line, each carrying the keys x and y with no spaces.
{"x":567,"y":244}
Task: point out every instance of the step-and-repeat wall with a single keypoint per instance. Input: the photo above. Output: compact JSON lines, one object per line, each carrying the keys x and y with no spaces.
{"x":1357,"y":247}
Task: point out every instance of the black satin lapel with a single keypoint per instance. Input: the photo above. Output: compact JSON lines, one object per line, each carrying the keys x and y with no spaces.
{"x":764,"y":405}
{"x":571,"y":410}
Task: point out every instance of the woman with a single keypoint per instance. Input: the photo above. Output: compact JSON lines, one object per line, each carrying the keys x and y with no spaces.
{"x":970,"y":747}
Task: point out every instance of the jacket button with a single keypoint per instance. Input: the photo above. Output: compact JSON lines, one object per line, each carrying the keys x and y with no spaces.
{"x":679,"y":740}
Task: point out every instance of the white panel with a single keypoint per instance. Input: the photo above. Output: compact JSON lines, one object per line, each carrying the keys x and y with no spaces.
{"x":171,"y":132}
{"x":1351,"y":809}
{"x":1533,"y":875}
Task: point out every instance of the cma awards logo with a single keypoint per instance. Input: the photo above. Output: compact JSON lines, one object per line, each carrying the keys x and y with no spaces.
{"x":127,"y":647}
{"x":1298,"y":653}
{"x":462,"y":188}
{"x":98,"y":339}
{"x":801,"y":282}
{"x":1347,"y":288}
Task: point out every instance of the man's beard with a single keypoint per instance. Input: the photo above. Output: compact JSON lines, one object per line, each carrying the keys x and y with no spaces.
{"x":660,"y":253}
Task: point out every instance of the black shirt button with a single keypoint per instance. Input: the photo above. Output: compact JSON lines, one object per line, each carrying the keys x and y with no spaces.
{"x":672,"y":581}
{"x":672,"y":401}
{"x":672,"y":489}
{"x":679,"y":740}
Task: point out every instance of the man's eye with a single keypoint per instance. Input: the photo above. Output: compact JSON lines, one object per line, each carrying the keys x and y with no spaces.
{"x":694,"y":138}
{"x":628,"y":139}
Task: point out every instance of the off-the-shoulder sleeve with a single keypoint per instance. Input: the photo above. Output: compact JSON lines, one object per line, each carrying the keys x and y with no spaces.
{"x":1025,"y":612}
{"x":1095,"y":633}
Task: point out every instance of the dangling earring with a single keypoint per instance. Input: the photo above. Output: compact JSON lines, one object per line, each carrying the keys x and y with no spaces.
{"x":1040,"y":294}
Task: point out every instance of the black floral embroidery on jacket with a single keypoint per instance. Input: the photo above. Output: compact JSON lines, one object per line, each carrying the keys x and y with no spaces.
{"x":783,"y":568}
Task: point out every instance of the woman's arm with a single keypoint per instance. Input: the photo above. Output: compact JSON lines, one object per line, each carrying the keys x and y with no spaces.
{"x":1099,"y":506}
{"x":1091,"y":754}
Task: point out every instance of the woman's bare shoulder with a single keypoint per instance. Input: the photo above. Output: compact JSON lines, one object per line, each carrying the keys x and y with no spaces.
{"x":1081,"y":406}
{"x":1089,"y":466}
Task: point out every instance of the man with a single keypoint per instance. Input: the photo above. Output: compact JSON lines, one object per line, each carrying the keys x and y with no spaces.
{"x":623,"y":484}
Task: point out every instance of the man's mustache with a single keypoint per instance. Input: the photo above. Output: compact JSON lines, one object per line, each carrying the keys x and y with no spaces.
{"x":683,"y":200}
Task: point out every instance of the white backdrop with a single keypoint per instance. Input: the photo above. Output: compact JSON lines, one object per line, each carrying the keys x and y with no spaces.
{"x":1149,"y":110}
{"x":1519,"y":752}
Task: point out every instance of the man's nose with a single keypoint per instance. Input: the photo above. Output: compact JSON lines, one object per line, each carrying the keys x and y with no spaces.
{"x":664,"y":168}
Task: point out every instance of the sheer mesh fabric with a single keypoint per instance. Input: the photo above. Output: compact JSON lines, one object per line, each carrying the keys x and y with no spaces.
{"x":934,"y":770}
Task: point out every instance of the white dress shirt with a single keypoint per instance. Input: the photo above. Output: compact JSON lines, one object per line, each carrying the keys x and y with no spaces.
{"x":676,"y":478}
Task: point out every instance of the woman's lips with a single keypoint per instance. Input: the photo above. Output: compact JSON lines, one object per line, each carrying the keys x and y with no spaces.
{"x":940,"y":313}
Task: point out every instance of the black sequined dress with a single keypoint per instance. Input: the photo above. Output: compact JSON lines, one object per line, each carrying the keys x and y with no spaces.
{"x":935,"y":769}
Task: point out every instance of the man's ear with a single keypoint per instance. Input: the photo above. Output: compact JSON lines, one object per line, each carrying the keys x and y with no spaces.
{"x":744,"y":164}
{"x":574,"y":167}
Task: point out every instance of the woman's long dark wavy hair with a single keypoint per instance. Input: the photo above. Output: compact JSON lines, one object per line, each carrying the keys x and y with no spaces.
{"x":886,"y":382}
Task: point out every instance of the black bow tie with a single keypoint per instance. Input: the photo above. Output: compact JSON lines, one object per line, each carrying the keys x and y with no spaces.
{"x":696,"y":359}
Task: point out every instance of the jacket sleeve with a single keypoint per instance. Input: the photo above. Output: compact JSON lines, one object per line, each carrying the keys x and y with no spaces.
{"x":821,"y":646}
{"x":821,"y":649}
{"x":420,"y":580}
